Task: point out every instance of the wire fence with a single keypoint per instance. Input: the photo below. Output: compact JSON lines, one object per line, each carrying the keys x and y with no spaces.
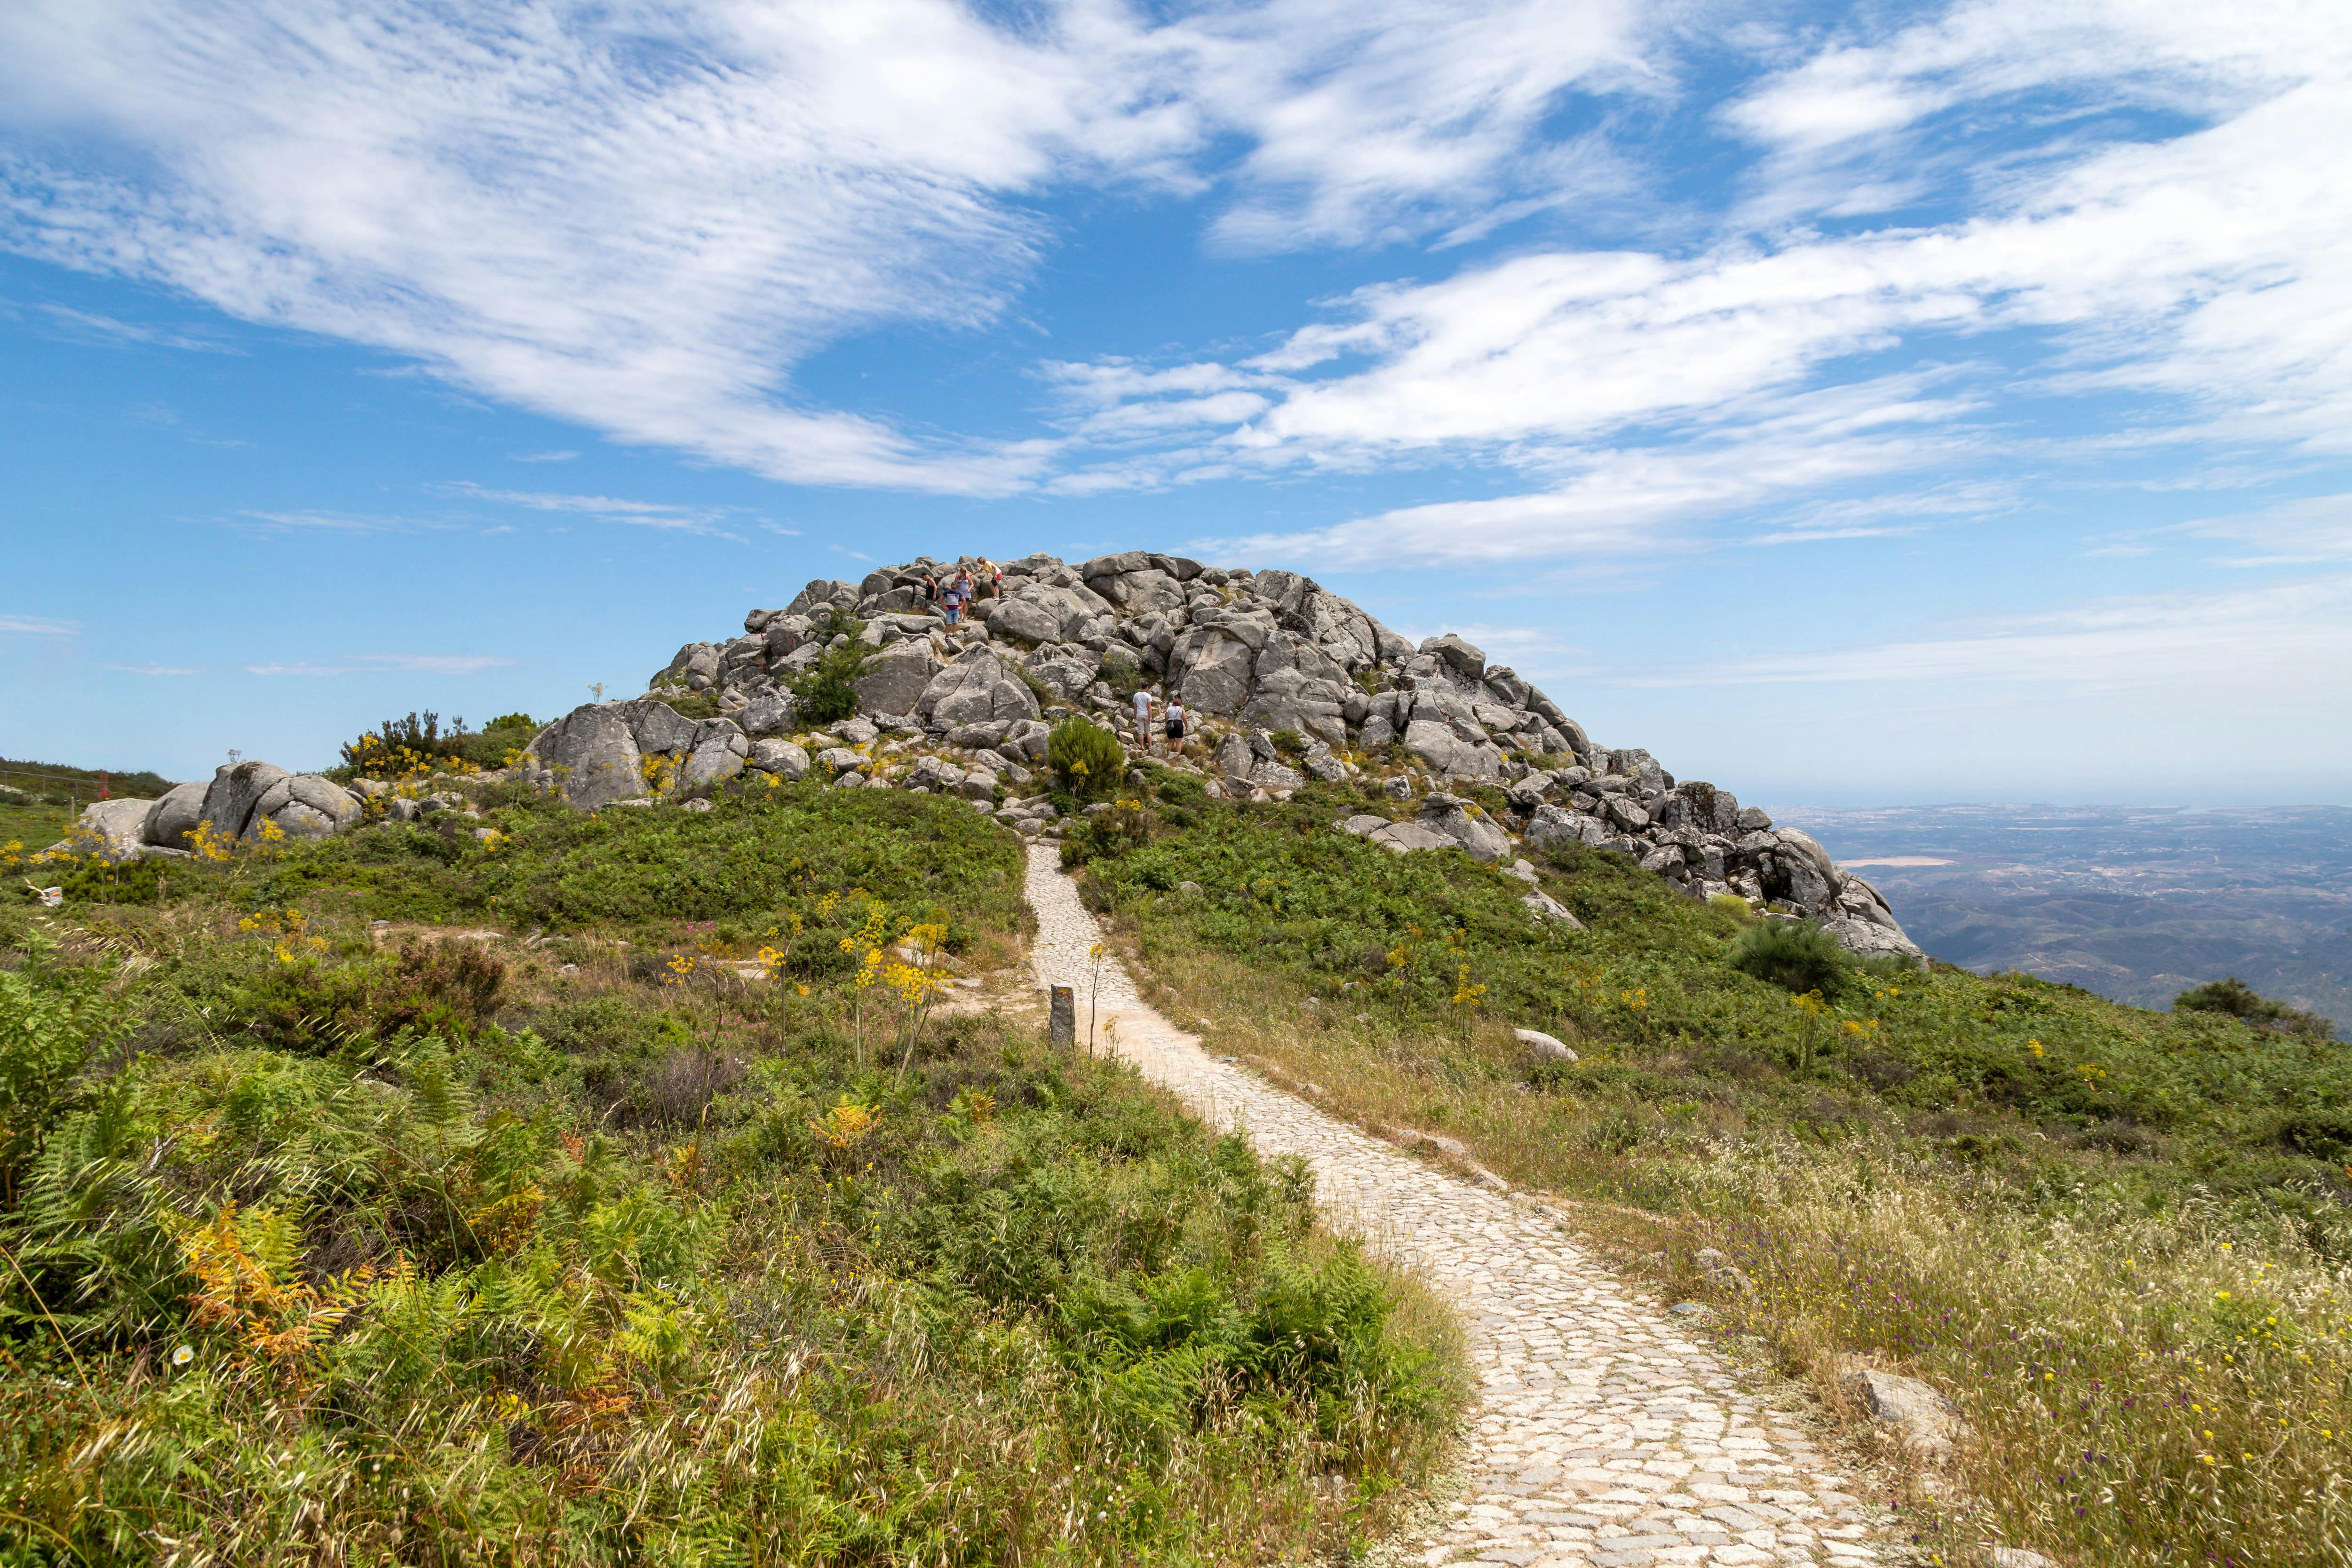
{"x":57,"y":789}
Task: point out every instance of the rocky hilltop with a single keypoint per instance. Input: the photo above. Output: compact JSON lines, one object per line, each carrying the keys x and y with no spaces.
{"x":1286,"y":681}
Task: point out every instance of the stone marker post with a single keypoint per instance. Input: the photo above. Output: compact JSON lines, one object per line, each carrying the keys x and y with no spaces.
{"x":1063,"y":1032}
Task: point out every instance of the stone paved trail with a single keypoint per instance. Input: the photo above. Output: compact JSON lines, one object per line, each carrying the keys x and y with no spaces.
{"x":1605,"y":1438}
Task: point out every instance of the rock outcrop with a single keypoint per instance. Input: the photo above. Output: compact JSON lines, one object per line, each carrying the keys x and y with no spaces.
{"x":1256,"y":658}
{"x":1287,"y":684}
{"x":241,"y":801}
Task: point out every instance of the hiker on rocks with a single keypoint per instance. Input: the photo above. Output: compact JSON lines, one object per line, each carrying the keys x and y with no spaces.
{"x":1143,"y":718}
{"x":1175,"y":726}
{"x":952,"y":600}
{"x":995,"y":578}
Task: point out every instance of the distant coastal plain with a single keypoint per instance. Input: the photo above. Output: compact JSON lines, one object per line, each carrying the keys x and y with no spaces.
{"x":2135,"y":903}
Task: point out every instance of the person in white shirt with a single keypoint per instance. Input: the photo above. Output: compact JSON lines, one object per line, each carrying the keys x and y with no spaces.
{"x":1143,"y":718}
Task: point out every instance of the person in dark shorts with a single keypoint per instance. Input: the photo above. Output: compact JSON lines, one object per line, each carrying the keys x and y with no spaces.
{"x":1175,"y":726}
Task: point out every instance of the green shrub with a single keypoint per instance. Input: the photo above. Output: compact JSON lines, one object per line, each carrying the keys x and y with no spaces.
{"x":1793,"y":953}
{"x":1086,"y":759}
{"x":417,"y":743}
{"x":2234,"y":997}
{"x":828,"y":689}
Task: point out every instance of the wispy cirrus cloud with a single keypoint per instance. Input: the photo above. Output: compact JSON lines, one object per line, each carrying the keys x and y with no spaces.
{"x":156,"y":669}
{"x":664,"y":515}
{"x":37,"y":626}
{"x":91,"y":326}
{"x":324,"y":522}
{"x":373,"y":664}
{"x":643,"y":219}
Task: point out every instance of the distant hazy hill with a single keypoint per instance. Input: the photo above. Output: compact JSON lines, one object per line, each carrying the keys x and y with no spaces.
{"x":2134,"y":903}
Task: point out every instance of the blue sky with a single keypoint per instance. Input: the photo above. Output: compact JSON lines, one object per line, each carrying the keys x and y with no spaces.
{"x":1884,"y":405}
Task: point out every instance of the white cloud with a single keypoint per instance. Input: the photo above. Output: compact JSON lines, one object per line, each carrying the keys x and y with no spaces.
{"x":1375,"y":122}
{"x":37,"y":626}
{"x":330,"y":522}
{"x":2293,"y":533}
{"x":370,"y":664}
{"x":2294,"y":637}
{"x":640,"y":217}
{"x":92,"y":326}
{"x":545,"y":456}
{"x":2200,"y":280}
{"x":155,"y":669}
{"x":610,"y":508}
{"x":434,"y":664}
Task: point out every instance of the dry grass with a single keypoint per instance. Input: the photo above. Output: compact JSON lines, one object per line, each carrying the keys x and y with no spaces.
{"x":2144,"y":1387}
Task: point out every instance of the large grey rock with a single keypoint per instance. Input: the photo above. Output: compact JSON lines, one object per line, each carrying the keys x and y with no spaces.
{"x":321,"y":800}
{"x":1209,"y":669}
{"x":770,"y":713}
{"x":1116,"y":565}
{"x":115,"y":829}
{"x":1803,"y":885}
{"x":781,"y":757}
{"x":1557,"y":824}
{"x":1404,"y":836}
{"x":173,"y":817}
{"x":1461,"y":657}
{"x":656,"y":725}
{"x":1806,"y":847}
{"x":696,"y":665}
{"x":898,"y":678}
{"x":235,"y":790}
{"x":719,"y":752}
{"x":1869,"y":939}
{"x":1276,"y":776}
{"x":1044,"y":612}
{"x":1068,"y":669}
{"x":1462,"y":821}
{"x":1234,"y":757}
{"x":1145,"y":592}
{"x":1435,"y":743}
{"x":977,"y":690}
{"x":1623,"y":812}
{"x":1028,"y":736}
{"x":595,"y":754}
{"x":819,"y":594}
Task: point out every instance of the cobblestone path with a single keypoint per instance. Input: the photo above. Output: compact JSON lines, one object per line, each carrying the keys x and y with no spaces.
{"x":1605,"y":1438}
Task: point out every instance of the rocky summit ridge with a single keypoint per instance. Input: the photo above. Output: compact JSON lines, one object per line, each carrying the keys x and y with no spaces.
{"x":1285,"y":680}
{"x":1254,"y":657}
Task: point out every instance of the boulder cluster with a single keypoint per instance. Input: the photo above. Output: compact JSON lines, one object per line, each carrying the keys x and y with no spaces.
{"x":242,"y":800}
{"x":1284,"y":681}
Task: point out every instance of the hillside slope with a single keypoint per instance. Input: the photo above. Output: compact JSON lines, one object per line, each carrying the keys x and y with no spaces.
{"x":2118,"y":1239}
